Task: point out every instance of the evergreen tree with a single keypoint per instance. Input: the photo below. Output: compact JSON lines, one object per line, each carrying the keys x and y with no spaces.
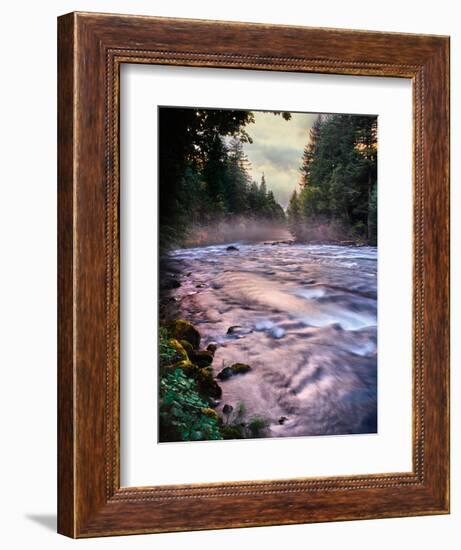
{"x":253,"y":199}
{"x":238,"y":180}
{"x":215,"y":175}
{"x":338,"y":177}
{"x":262,"y":196}
{"x":186,"y":137}
{"x":204,"y":174}
{"x":373,"y":217}
{"x":309,"y":150}
{"x":294,"y":215}
{"x":263,"y":187}
{"x":276,"y":212}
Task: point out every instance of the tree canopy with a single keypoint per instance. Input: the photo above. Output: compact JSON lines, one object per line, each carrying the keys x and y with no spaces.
{"x":204,"y":174}
{"x":338,"y":187}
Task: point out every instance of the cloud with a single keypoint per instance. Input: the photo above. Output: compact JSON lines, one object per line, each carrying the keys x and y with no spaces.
{"x":277,"y":150}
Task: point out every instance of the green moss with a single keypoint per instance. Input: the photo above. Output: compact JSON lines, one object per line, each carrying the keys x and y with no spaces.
{"x":168,"y":352}
{"x":180,"y":351}
{"x":240,"y":368}
{"x":182,"y":364}
{"x":186,"y":388}
{"x":236,"y":368}
{"x":211,"y":413}
{"x":231,"y":432}
{"x":182,"y":330}
{"x":187,"y":346}
{"x":257,"y":426}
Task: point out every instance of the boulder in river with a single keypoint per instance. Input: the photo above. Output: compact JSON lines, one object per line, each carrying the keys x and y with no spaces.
{"x":202,"y":358}
{"x":212,"y":347}
{"x":232,"y":248}
{"x":237,"y":331}
{"x":227,"y":409}
{"x":182,"y":330}
{"x":236,"y":368}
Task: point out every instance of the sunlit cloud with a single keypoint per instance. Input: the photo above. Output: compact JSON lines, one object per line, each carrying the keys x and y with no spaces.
{"x":277,"y":150}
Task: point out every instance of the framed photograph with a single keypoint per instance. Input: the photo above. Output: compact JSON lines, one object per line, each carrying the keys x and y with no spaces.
{"x":253,"y":275}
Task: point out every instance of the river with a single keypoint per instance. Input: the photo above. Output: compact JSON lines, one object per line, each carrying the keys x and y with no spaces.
{"x":306,"y":318}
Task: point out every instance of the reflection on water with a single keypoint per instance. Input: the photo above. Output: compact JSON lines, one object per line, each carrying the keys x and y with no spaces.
{"x":307,"y":326}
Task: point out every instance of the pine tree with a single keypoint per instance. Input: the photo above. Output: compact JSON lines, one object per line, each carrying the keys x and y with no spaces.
{"x":238,"y":180}
{"x":263,"y":186}
{"x":253,"y":200}
{"x":367,"y":145}
{"x":204,"y":174}
{"x":338,"y":176}
{"x":294,"y":215}
{"x":310,"y":149}
{"x":214,"y":174}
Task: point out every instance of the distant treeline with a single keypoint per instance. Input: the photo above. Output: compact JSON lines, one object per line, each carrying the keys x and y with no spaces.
{"x":204,"y":175}
{"x":337,"y":199}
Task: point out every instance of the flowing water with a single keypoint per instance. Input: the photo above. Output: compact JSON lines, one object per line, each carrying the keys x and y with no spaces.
{"x":305,"y":320}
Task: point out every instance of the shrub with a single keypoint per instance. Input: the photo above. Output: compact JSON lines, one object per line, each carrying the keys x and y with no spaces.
{"x":232,"y":432}
{"x":168,"y":354}
{"x":257,"y":426}
{"x":184,"y":415}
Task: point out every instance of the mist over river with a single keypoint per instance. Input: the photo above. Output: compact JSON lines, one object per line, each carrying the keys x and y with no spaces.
{"x":304,"y":318}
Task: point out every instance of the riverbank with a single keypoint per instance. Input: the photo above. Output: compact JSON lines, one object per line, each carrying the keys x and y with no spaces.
{"x":189,"y":391}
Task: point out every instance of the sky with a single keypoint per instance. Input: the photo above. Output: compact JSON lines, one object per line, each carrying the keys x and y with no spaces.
{"x":277,"y":150}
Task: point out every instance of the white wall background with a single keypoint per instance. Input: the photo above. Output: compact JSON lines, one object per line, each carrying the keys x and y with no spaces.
{"x":28,"y":272}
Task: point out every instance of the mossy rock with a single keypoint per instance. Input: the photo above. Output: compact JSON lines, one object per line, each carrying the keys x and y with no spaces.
{"x":181,"y":352}
{"x":182,"y":330}
{"x":231,"y":432}
{"x":187,"y":346}
{"x":202,"y":358}
{"x":211,"y":413}
{"x":208,"y":384}
{"x":205,"y":380}
{"x":236,"y":368}
{"x":225,"y":374}
{"x":240,"y":368}
{"x":212,"y":348}
{"x":183,"y":364}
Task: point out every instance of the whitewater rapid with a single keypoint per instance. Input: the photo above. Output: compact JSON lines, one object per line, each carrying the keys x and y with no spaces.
{"x":306,"y":318}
